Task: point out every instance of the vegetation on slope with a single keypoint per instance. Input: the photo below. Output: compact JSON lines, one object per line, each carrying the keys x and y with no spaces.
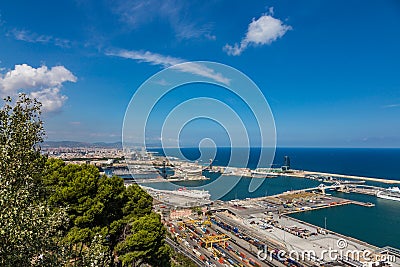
{"x":57,"y":214}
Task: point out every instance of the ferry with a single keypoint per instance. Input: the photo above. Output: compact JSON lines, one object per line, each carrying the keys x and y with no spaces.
{"x":392,"y":193}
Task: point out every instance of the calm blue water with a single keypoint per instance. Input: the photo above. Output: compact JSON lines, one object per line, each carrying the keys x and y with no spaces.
{"x":378,"y":225}
{"x":372,"y":162}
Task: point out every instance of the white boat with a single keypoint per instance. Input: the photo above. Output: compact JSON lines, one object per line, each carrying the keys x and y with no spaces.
{"x":392,"y":193}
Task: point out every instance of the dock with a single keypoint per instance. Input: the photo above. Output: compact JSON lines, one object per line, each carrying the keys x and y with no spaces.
{"x":365,"y":190}
{"x":303,"y":174}
{"x":163,"y":180}
{"x":342,"y":203}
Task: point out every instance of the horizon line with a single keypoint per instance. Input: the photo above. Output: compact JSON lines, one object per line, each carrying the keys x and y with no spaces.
{"x":186,"y":146}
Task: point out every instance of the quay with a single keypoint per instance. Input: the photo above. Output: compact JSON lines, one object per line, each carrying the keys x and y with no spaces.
{"x":303,"y":174}
{"x":366,"y":190}
{"x":163,"y":180}
{"x":333,"y":204}
{"x":305,"y":200}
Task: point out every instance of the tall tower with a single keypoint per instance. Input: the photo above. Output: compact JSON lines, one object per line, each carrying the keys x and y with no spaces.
{"x":164,"y":170}
{"x":286,"y":164}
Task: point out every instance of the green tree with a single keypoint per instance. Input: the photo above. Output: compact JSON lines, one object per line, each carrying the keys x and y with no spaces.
{"x":94,"y":206}
{"x":103,"y":215}
{"x":30,"y":229}
{"x":144,"y":243}
{"x":180,"y":260}
{"x":138,"y":204}
{"x":54,"y":214}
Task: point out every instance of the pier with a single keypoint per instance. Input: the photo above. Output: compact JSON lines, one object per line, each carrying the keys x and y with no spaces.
{"x":163,"y":180}
{"x":303,"y":174}
{"x":364,"y":191}
{"x":333,"y":204}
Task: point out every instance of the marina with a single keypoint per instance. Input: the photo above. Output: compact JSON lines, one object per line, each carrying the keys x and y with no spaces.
{"x":392,"y":193}
{"x":307,"y":192}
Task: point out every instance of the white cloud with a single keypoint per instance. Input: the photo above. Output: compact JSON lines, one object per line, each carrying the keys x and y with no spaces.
{"x":26,"y":77}
{"x":167,"y":61}
{"x":51,"y":98}
{"x":41,"y":83}
{"x":264,"y":30}
{"x":31,"y":37}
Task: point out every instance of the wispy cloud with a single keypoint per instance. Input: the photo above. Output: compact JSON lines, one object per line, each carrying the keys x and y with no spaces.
{"x":138,"y":12}
{"x":210,"y":37}
{"x":261,"y":31}
{"x":32,"y":37}
{"x":162,"y":82}
{"x":392,"y":106}
{"x":1,"y":20}
{"x":168,"y":61}
{"x":146,"y":56}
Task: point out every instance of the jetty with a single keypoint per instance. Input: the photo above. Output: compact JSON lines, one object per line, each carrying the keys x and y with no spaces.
{"x":303,"y":174}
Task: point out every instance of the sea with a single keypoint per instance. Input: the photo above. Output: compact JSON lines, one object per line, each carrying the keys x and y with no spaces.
{"x":378,"y":225}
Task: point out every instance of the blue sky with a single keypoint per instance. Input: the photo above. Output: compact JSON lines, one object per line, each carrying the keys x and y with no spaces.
{"x":329,"y":69}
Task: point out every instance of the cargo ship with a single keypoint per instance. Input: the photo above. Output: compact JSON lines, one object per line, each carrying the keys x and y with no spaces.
{"x":392,"y":193}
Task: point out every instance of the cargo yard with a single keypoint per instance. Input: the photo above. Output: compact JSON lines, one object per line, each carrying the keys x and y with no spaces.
{"x":256,"y":232}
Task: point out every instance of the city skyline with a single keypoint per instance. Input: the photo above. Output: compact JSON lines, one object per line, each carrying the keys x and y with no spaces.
{"x":328,"y":70}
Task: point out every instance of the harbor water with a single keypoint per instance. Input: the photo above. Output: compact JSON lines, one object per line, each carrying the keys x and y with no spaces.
{"x":377,"y":225}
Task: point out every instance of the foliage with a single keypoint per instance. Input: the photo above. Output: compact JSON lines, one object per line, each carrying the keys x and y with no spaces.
{"x":58,"y":214}
{"x":144,"y":243}
{"x":180,"y":260}
{"x":197,"y":210}
{"x":106,"y":218}
{"x":29,"y":227}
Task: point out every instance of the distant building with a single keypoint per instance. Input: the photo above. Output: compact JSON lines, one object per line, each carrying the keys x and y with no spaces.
{"x":286,"y":164}
{"x":179,"y":214}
